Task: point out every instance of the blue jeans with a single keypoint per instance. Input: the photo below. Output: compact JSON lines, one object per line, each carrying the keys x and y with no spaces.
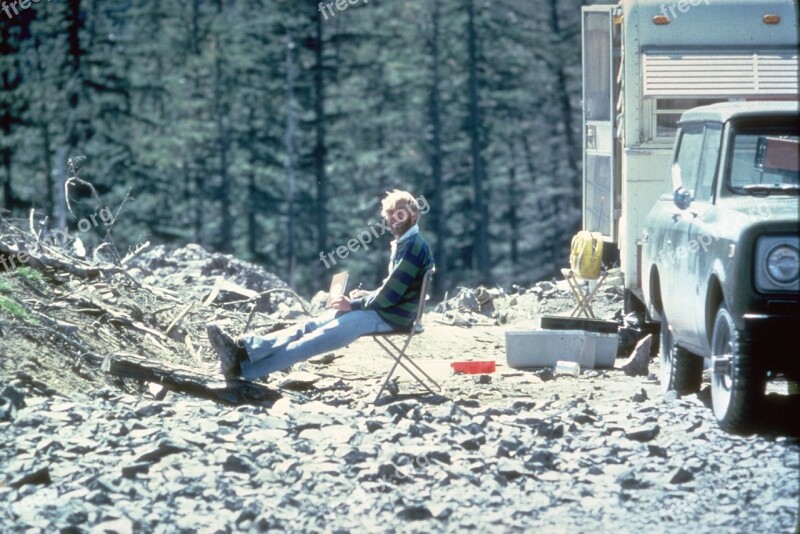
{"x":285,"y":348}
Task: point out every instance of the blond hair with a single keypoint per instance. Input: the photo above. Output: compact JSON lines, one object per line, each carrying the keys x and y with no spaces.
{"x":397,"y":199}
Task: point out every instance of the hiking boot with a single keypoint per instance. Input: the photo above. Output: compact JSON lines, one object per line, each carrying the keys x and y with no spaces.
{"x":228,"y":350}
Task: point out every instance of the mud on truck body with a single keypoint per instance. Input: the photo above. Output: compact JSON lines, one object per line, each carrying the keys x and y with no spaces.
{"x":646,"y":63}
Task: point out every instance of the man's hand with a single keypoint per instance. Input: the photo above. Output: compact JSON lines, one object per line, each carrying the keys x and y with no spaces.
{"x":358,"y":293}
{"x":341,"y":304}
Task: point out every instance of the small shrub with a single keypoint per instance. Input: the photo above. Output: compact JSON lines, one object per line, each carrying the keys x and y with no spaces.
{"x":13,"y":308}
{"x":29,"y":274}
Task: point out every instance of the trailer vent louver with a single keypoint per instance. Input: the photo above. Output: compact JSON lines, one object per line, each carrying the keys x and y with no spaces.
{"x":765,"y":73}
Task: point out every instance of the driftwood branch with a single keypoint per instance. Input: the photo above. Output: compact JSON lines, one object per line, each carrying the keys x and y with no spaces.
{"x":130,"y":255}
{"x":41,"y":262}
{"x":178,"y":318}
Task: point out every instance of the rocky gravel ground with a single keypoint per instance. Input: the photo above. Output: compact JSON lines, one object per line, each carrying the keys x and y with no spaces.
{"x":514,"y":450}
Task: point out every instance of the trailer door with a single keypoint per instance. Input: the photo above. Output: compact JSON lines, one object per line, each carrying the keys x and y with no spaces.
{"x":598,"y":119}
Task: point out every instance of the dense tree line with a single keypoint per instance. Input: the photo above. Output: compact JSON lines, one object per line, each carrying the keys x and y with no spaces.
{"x":271,"y":128}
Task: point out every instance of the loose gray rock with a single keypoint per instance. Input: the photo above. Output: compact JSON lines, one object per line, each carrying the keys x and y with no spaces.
{"x":415,"y":513}
{"x":642,"y":433}
{"x":655,"y":450}
{"x":639,"y":364}
{"x":472,"y":443}
{"x":238,"y":464}
{"x":640,"y":397}
{"x":39,"y":476}
{"x":164,"y":448}
{"x":14,"y":396}
{"x":299,"y":381}
{"x":680,"y":476}
{"x":629,"y":480}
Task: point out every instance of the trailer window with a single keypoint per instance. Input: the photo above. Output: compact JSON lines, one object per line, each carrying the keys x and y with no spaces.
{"x":668,"y":112}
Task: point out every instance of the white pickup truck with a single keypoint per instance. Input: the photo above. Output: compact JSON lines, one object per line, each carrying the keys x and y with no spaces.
{"x":721,"y":256}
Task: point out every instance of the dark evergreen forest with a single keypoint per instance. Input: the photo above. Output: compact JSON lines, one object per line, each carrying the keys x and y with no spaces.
{"x":270,"y":129}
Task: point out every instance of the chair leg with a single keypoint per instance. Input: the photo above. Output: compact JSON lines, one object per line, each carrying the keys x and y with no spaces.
{"x":391,"y":371}
{"x":590,"y":294}
{"x":402,"y":353}
{"x":577,"y":293}
{"x":582,"y":297}
{"x":586,"y":297}
{"x":398,"y":361}
{"x":385,"y":383}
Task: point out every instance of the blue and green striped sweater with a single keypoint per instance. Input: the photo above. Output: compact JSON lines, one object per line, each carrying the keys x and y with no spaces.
{"x":397,"y":299}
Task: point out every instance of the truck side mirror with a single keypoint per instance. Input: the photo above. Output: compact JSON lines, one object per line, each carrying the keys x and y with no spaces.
{"x":683,"y":198}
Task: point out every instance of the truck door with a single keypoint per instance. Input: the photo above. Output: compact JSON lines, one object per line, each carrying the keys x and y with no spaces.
{"x":599,"y":51}
{"x":702,"y":233}
{"x":679,"y":290}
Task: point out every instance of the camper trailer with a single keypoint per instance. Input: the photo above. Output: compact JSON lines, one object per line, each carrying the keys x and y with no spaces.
{"x":645,"y":62}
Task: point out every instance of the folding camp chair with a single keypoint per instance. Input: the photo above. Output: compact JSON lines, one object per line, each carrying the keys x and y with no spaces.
{"x":582,"y":296}
{"x":396,"y":352}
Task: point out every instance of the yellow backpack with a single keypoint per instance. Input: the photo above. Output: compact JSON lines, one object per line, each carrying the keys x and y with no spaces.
{"x":586,"y":255}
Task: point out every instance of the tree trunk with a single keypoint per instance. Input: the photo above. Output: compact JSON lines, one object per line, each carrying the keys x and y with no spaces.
{"x":571,"y":149}
{"x":226,"y":232}
{"x":8,"y":82}
{"x":482,"y":260}
{"x":526,"y":148}
{"x":59,"y":177}
{"x":437,"y":156}
{"x":252,"y":230}
{"x":74,"y":64}
{"x":5,"y":155}
{"x":319,"y":148}
{"x":513,"y":217}
{"x":199,"y":214}
{"x":50,"y":182}
{"x":291,"y":186}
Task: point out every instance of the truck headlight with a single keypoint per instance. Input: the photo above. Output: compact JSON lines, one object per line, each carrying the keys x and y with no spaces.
{"x":777,"y":264}
{"x":783,"y":264}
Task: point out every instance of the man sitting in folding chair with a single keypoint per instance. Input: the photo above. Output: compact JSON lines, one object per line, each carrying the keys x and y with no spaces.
{"x":395,"y":307}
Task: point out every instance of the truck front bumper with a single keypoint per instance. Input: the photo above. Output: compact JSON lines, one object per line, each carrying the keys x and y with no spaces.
{"x":772,"y":339}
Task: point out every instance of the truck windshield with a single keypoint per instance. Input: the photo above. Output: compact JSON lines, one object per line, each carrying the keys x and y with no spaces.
{"x":765,"y":159}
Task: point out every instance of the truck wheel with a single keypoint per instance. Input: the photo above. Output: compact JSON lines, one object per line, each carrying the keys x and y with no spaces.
{"x":737,"y":384}
{"x":680,"y":369}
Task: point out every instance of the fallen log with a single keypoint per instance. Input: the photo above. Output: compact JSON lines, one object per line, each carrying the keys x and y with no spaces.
{"x":185,"y":380}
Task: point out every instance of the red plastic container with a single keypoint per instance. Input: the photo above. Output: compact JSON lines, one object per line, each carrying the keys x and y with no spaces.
{"x":473,"y":368}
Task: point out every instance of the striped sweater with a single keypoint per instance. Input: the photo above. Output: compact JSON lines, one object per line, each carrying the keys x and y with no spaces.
{"x":397,"y":299}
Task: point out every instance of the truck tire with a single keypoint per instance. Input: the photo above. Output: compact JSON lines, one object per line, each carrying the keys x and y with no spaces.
{"x":737,"y":383}
{"x":681,"y":370}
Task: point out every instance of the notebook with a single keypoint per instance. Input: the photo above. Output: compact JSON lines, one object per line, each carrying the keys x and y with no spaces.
{"x":338,"y":286}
